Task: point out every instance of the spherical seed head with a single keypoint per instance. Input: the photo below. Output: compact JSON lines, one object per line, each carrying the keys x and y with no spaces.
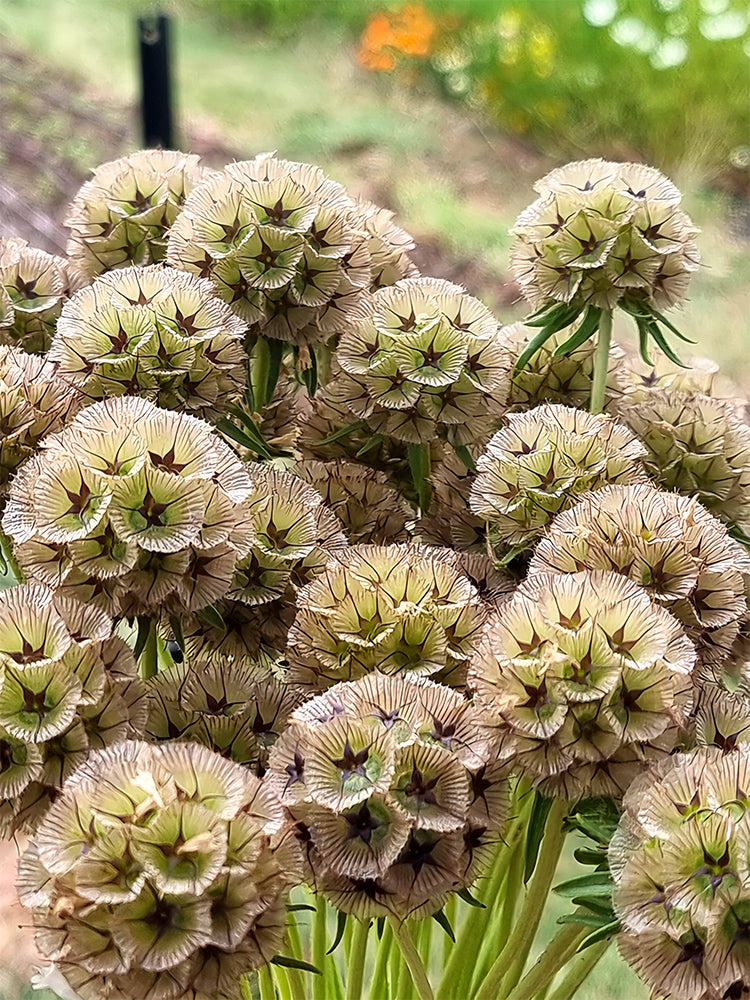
{"x":584,"y":675}
{"x":122,"y":215}
{"x":542,"y":460}
{"x":285,"y":246}
{"x":371,"y":510}
{"x":155,"y":332}
{"x":679,"y":862}
{"x":667,"y":543}
{"x":34,"y":285}
{"x":601,"y":232}
{"x":425,"y":363}
{"x":389,"y":245}
{"x":34,"y":401}
{"x":170,"y":854}
{"x":565,"y":379}
{"x":128,"y":505}
{"x":396,"y":609}
{"x":67,"y":686}
{"x":698,"y":446}
{"x":391,"y":778}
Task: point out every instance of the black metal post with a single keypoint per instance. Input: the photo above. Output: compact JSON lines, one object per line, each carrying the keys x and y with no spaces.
{"x":156,"y":83}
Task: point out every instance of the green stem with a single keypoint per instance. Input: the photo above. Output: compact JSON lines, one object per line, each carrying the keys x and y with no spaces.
{"x":559,"y":951}
{"x":259,"y":373}
{"x":378,"y":986}
{"x":579,"y":970}
{"x":420,"y":463}
{"x":319,"y":943}
{"x":509,"y":964}
{"x":11,"y":572}
{"x":355,"y":972}
{"x":148,"y":664}
{"x":601,"y":362}
{"x":412,"y":959}
{"x":265,"y":983}
{"x":280,"y":978}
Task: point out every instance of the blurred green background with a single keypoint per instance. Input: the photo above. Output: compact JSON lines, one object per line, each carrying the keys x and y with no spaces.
{"x":445,"y":111}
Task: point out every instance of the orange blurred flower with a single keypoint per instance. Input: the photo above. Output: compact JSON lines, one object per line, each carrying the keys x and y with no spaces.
{"x":408,"y":31}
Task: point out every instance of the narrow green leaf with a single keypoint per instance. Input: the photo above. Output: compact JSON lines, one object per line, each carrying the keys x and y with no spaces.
{"x":296,"y":907}
{"x":739,"y":535}
{"x":465,"y":455}
{"x":144,"y":630}
{"x":663,"y":319}
{"x":310,"y":375}
{"x":243,"y":438}
{"x":549,"y":314}
{"x":374,"y":442}
{"x":343,"y":432}
{"x":275,"y":355}
{"x":589,"y":856}
{"x":535,"y":832}
{"x":211,"y":615}
{"x":510,"y":555}
{"x":595,"y":905}
{"x":340,"y":928}
{"x":587,"y":328}
{"x":287,"y":962}
{"x":532,"y":347}
{"x":468,"y":898}
{"x":599,"y":935}
{"x":659,"y":338}
{"x":597,"y":883}
{"x":419,"y":464}
{"x":586,"y":919}
{"x":643,"y":341}
{"x":176,"y":625}
{"x":441,"y":919}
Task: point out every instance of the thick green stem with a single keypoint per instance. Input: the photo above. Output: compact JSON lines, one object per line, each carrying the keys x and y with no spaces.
{"x":412,"y":959}
{"x":579,"y":969}
{"x":265,"y":983}
{"x":319,"y":944}
{"x":509,"y":965}
{"x":601,"y":362}
{"x":355,"y":972}
{"x":559,"y":951}
{"x":148,"y":663}
{"x":379,"y":986}
{"x":420,"y":463}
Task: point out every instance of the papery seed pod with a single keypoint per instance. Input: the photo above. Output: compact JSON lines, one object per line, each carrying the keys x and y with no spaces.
{"x":566,"y":379}
{"x":450,"y":520}
{"x":34,"y":286}
{"x":698,"y":446}
{"x":122,"y":215}
{"x":130,"y":505}
{"x":602,"y":232}
{"x":67,"y":686}
{"x":426,"y":362}
{"x":395,"y":609}
{"x":238,"y":708}
{"x":362,"y":498}
{"x":34,"y":401}
{"x":285,"y":535}
{"x":682,"y":886}
{"x":286,"y":247}
{"x":396,"y":784}
{"x":584,"y":677}
{"x":665,"y":542}
{"x":160,"y":871}
{"x":542,"y":461}
{"x":155,"y":332}
{"x":388,"y":244}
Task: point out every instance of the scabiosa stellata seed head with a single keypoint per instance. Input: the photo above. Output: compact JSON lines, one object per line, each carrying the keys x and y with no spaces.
{"x":395,"y":609}
{"x":130,"y":505}
{"x":238,"y":708}
{"x":154,"y":332}
{"x":370,"y":509}
{"x":585,"y":677}
{"x":287,"y":535}
{"x":34,"y":286}
{"x":389,"y":245}
{"x":396,"y":781}
{"x":425,"y":363}
{"x":160,"y":870}
{"x":122,"y":215}
{"x":34,"y":401}
{"x":667,"y":543}
{"x":566,"y":378}
{"x":601,"y":233}
{"x":682,"y":882}
{"x":542,"y":461}
{"x":67,"y":686}
{"x":285,"y":246}
{"x":696,"y":445}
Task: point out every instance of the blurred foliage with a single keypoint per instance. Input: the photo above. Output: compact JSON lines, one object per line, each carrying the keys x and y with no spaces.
{"x":664,"y":80}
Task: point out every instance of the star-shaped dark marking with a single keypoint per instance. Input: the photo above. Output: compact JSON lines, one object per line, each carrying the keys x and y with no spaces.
{"x":421,"y":789}
{"x":351,"y":763}
{"x":362,"y":824}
